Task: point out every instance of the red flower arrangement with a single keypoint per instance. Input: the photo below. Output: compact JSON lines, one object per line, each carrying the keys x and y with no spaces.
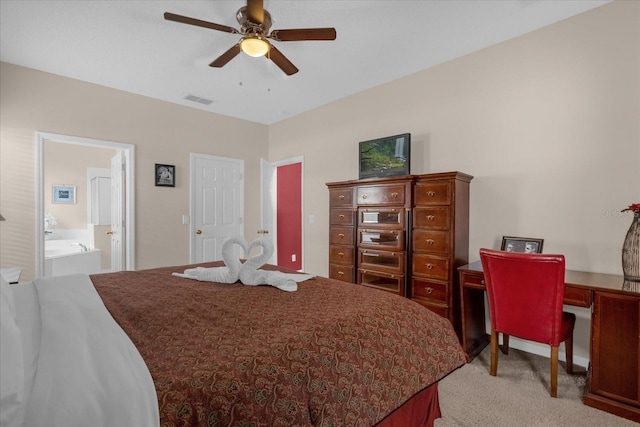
{"x":635,"y":208}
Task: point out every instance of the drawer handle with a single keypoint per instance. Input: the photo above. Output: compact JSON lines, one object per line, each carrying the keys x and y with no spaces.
{"x":341,"y":216}
{"x":394,"y":195}
{"x":340,"y":273}
{"x":341,"y":197}
{"x":430,"y":241}
{"x":482,"y":282}
{"x":341,"y":235}
{"x":341,"y":254}
{"x":429,"y":266}
{"x":428,"y":289}
{"x":431,"y":217}
{"x":431,"y":193}
{"x":364,"y":196}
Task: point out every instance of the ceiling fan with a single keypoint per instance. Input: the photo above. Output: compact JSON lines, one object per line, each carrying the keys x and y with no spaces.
{"x":255,"y":23}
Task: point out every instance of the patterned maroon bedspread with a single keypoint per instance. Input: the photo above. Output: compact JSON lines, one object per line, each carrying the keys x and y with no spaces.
{"x":329,"y":354}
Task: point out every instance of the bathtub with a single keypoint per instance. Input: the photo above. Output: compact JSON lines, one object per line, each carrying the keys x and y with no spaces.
{"x":67,"y":257}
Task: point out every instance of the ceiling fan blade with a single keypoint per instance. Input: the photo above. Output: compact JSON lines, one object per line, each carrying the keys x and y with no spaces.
{"x":255,"y":11}
{"x":303,"y":34}
{"x":199,"y":23}
{"x":222,"y":60}
{"x":281,"y":61}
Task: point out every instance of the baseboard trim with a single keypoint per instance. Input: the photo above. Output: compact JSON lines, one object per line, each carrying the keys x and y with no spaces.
{"x":545,"y":351}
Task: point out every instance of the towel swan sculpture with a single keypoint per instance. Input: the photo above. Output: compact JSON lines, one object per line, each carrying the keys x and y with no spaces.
{"x":249,"y":272}
{"x":227,"y":274}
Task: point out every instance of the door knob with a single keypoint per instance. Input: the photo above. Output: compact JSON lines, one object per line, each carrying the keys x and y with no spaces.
{"x":263,"y":231}
{"x":198,"y":231}
{"x":109,"y":233}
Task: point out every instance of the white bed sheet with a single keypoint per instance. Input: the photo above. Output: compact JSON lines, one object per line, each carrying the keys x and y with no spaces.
{"x":28,"y":321}
{"x":81,"y":369}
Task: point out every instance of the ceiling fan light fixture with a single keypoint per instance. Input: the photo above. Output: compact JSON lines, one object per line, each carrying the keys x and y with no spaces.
{"x":255,"y":46}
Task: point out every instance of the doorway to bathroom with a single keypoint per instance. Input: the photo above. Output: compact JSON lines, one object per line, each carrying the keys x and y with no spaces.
{"x":85,"y":205}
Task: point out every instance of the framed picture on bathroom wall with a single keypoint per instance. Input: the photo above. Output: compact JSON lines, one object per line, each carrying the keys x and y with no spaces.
{"x":64,"y":194}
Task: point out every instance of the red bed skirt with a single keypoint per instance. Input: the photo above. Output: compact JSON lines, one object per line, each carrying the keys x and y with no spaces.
{"x":420,"y":411}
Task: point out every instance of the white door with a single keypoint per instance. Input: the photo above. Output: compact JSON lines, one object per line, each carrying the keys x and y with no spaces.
{"x":117,"y":212}
{"x":268,"y":206}
{"x":217,"y":204}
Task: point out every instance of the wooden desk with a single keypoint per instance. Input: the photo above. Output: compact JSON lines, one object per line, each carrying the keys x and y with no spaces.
{"x":613,"y":381}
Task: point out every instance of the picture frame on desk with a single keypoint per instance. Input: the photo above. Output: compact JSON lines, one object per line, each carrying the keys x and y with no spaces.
{"x":522,"y":244}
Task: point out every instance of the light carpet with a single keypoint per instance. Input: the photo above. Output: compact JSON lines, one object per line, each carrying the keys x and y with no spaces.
{"x":518,"y":396}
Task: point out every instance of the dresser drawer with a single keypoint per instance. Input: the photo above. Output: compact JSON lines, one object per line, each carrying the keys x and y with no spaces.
{"x":341,"y":216}
{"x":341,"y":254}
{"x":341,"y":197}
{"x":341,"y":272}
{"x":388,"y":240}
{"x":473,"y":279}
{"x":431,"y":241}
{"x":381,"y":217}
{"x":577,"y":297}
{"x":441,"y":310}
{"x":436,"y":218}
{"x":434,"y":291}
{"x":341,"y":235}
{"x":392,"y":262}
{"x":392,"y":194}
{"x":432,"y":193}
{"x":433,"y":267}
{"x":385,"y":281}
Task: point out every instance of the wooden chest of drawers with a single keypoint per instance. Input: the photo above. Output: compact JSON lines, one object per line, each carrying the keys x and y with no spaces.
{"x":341,"y":233}
{"x":383,"y":209}
{"x":406,"y":235}
{"x":369,"y":220}
{"x":440,"y":241}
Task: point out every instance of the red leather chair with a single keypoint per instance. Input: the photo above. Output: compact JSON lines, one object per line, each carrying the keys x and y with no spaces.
{"x":526,"y":292}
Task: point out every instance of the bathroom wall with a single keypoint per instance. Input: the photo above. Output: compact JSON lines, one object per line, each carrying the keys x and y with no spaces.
{"x":66,"y":164}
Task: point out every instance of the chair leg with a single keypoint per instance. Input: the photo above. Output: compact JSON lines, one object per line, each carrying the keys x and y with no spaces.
{"x":554,"y":371}
{"x":494,"y":353}
{"x":505,"y":343}
{"x":568,"y":348}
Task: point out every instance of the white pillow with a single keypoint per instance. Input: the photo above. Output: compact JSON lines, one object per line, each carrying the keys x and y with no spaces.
{"x":11,"y":361}
{"x":7,"y":295}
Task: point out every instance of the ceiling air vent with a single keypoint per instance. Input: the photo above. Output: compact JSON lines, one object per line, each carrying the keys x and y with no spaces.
{"x":198,"y":99}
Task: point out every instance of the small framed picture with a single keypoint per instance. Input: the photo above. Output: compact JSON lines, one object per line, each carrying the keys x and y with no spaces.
{"x":525,"y":245}
{"x":64,"y":194}
{"x":165,"y":175}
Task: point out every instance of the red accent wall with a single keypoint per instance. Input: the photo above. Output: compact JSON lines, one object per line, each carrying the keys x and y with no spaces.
{"x":289,"y":215}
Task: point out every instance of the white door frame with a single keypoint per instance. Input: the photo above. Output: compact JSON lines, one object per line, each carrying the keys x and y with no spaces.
{"x":129,"y":153}
{"x":264,"y":171}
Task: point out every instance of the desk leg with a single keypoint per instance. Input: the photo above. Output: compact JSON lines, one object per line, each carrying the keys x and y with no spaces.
{"x":474,"y":336}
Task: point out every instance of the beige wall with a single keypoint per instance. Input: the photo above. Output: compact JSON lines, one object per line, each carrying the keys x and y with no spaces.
{"x":548,"y":123}
{"x":33,"y":101}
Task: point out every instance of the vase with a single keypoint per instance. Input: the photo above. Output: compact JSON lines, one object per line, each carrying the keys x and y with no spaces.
{"x":631,"y":256}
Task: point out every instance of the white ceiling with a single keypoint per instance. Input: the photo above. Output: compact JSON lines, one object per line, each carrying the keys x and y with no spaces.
{"x":128,"y":45}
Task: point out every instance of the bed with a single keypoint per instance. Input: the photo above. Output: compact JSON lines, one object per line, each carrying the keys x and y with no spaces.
{"x":209,"y":354}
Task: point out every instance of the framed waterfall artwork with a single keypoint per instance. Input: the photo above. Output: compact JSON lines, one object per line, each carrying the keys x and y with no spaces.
{"x":64,"y":194}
